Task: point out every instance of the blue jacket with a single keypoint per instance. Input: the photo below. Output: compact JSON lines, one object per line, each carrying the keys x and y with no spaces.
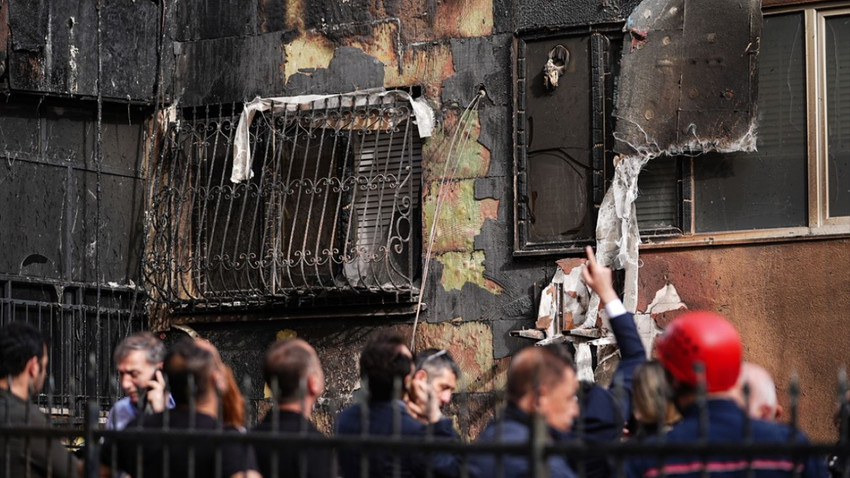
{"x":603,"y":413}
{"x":515,"y":427}
{"x":726,"y":423}
{"x":382,"y":463}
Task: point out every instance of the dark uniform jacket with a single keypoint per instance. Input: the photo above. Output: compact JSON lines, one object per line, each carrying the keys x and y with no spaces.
{"x":317,"y":461}
{"x":604,"y":411}
{"x":515,"y":427}
{"x":193,"y":458}
{"x":42,"y":457}
{"x":726,"y":424}
{"x":383,"y":463}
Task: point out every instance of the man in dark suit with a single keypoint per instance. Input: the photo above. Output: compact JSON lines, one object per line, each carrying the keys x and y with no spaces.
{"x":386,"y":369}
{"x":294,"y":374}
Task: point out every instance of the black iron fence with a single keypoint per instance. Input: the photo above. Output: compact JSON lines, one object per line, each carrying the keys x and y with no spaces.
{"x":204,"y":447}
{"x":67,"y":312}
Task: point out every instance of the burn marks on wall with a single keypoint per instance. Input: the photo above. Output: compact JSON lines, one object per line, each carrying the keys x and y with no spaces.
{"x":54,"y":45}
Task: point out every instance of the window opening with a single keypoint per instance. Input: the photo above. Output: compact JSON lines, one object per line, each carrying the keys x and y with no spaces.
{"x":563,"y":104}
{"x":330,"y":212}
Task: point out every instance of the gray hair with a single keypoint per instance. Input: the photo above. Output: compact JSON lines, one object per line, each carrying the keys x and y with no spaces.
{"x":436,"y":361}
{"x":153,"y":347}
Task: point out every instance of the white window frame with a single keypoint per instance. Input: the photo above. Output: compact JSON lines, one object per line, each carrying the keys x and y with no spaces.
{"x":819,"y":187}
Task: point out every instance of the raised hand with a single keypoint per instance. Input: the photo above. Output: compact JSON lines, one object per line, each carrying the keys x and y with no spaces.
{"x":598,"y":278}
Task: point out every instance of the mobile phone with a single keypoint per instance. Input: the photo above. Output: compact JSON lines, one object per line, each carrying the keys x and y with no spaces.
{"x":143,"y":394}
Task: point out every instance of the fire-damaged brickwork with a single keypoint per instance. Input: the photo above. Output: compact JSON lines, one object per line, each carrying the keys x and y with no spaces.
{"x":789,"y":299}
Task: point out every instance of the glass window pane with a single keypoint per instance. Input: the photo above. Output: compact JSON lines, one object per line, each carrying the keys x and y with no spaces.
{"x":766,"y":189}
{"x":837,"y":36}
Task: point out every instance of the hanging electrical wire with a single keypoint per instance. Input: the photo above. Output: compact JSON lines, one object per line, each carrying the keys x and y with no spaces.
{"x":452,"y":161}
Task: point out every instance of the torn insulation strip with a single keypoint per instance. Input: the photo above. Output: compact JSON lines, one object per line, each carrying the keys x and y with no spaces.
{"x":242,"y":158}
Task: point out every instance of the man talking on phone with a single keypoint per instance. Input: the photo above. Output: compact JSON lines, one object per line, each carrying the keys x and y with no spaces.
{"x":434,"y":381}
{"x":139,"y":361}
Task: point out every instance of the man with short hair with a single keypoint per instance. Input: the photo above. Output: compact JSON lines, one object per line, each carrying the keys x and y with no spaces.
{"x":23,"y":370}
{"x":541,"y":382}
{"x":138,"y":359}
{"x":196,"y":383}
{"x":702,"y":350}
{"x":433,"y":383}
{"x":386,"y":369}
{"x":293,"y":372}
{"x":760,"y":400}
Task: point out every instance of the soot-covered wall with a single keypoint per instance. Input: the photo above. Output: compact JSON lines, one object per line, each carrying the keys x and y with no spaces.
{"x":224,"y":51}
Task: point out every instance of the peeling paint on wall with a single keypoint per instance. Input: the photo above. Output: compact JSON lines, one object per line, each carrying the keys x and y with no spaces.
{"x":464,"y":18}
{"x":426,"y":65}
{"x":473,"y":159}
{"x":563,"y":303}
{"x":307,"y":51}
{"x":461,"y":218}
{"x":471,"y":345}
{"x":460,"y":268}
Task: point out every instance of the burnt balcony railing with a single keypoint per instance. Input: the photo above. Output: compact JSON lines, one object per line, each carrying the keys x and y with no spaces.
{"x":328,"y":211}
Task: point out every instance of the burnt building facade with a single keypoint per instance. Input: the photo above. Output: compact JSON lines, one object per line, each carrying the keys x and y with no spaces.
{"x":428,"y":166}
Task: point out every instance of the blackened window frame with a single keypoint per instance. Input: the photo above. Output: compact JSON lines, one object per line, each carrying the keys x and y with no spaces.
{"x":604,"y":43}
{"x":683,"y":232}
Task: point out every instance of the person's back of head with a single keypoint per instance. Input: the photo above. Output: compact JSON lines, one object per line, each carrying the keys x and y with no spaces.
{"x":189,"y":369}
{"x":293,"y":372}
{"x":19,"y":343}
{"x":385,"y":363}
{"x":543,"y":379}
{"x":153,"y":348}
{"x":755,"y":392}
{"x":705,"y":340}
{"x":652,"y":395}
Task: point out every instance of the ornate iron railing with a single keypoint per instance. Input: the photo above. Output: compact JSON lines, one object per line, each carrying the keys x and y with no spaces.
{"x":329,"y":212}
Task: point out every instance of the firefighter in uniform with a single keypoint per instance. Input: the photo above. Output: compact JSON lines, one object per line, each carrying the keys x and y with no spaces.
{"x":705,"y":344}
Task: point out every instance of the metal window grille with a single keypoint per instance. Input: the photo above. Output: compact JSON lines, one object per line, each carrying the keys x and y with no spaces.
{"x":66,"y":313}
{"x":330,"y":213}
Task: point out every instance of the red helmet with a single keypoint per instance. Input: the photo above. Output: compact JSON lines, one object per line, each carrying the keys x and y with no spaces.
{"x":701,"y":337}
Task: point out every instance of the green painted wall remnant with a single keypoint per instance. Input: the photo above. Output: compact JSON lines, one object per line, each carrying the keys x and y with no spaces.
{"x":462,"y":267}
{"x":461,"y":217}
{"x":472,"y":158}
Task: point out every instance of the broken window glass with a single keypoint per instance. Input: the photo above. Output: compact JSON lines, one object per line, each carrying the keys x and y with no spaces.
{"x":768,"y":188}
{"x":837,"y":46}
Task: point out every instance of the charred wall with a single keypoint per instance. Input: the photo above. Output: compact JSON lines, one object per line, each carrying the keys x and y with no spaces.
{"x":477,"y":290}
{"x":228,"y":51}
{"x":52,"y":47}
{"x":787,"y":301}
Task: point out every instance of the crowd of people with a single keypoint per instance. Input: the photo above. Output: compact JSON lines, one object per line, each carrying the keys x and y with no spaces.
{"x":696,"y":389}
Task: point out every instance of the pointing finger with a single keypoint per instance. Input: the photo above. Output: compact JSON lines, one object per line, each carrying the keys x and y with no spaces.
{"x":591,"y":258}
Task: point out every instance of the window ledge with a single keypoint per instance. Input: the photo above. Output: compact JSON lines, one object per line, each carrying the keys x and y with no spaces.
{"x":748,"y":237}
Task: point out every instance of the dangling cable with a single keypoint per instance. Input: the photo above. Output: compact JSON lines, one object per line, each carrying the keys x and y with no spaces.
{"x":463,"y":121}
